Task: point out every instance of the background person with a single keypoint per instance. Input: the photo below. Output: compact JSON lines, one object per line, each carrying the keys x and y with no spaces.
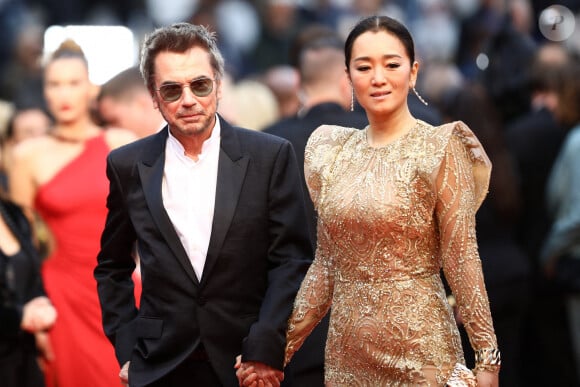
{"x":560,"y":254}
{"x":61,"y":176}
{"x":24,"y":123}
{"x":124,"y":102}
{"x":26,"y":314}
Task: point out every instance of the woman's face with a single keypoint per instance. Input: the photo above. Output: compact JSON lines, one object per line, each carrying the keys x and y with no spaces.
{"x":381,"y":73}
{"x":68,"y":90}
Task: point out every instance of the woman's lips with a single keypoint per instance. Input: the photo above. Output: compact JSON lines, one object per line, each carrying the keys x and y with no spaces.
{"x":378,"y":94}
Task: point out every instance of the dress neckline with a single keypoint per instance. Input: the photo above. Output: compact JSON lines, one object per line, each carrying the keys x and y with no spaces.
{"x":72,"y":140}
{"x":365,"y":137}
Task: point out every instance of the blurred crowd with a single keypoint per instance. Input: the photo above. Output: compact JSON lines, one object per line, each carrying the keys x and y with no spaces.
{"x":485,"y":62}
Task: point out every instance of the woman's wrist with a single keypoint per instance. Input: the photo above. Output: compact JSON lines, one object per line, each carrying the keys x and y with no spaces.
{"x":488,"y":359}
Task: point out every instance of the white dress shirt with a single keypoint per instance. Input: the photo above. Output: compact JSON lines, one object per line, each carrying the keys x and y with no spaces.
{"x":188,"y":191}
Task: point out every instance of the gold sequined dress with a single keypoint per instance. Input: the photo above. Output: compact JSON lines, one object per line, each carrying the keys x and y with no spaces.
{"x":389,"y":219}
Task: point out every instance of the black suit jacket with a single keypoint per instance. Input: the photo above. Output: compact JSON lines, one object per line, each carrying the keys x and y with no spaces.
{"x":298,"y":129}
{"x":534,"y":140}
{"x":258,"y":254}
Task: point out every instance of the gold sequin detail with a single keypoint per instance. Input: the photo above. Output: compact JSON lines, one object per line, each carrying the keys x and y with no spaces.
{"x":390,"y":219}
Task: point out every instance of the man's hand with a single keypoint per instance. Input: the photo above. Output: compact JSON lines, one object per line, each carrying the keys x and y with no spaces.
{"x":256,"y":374}
{"x":124,"y":374}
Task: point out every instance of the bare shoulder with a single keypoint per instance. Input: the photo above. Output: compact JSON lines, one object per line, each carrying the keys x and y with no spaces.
{"x":32,"y":147}
{"x":116,"y":137}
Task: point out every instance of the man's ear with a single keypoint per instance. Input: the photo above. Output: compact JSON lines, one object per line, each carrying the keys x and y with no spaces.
{"x":154,"y":100}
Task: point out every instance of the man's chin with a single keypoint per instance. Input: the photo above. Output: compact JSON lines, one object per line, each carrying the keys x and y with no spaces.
{"x":192,"y":129}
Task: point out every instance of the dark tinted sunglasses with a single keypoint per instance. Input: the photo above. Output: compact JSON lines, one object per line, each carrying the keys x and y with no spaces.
{"x":171,"y":92}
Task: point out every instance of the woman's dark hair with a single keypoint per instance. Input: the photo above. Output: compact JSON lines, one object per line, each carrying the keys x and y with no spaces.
{"x":376,"y":24}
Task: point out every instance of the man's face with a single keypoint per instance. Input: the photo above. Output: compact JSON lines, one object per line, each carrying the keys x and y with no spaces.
{"x":190,"y":115}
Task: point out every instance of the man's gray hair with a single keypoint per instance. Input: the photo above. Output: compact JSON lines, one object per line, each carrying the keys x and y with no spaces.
{"x":179,"y":38}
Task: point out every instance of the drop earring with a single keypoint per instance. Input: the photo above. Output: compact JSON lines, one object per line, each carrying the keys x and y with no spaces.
{"x":351,"y":99}
{"x":419,"y":96}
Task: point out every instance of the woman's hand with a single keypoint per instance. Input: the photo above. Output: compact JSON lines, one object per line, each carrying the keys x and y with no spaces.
{"x":38,"y":315}
{"x":45,"y":353}
{"x":487,"y":379}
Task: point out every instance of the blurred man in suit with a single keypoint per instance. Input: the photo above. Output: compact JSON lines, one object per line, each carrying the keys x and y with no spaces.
{"x":125,"y":102}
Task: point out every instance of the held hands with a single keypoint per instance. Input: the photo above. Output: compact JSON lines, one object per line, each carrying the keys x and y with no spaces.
{"x":256,"y":374}
{"x":38,"y":315}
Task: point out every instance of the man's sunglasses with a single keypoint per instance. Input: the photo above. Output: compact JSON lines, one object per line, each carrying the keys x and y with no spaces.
{"x":171,"y":92}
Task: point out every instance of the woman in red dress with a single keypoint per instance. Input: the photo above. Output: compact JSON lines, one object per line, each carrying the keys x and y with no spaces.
{"x":61,"y":176}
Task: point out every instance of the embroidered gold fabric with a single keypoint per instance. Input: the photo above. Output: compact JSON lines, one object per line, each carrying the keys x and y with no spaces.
{"x":390,"y":219}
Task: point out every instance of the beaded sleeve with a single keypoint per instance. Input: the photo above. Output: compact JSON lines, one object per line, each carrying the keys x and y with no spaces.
{"x":462,"y":183}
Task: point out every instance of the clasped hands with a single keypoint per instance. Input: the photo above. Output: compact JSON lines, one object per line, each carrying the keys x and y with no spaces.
{"x":256,"y":374}
{"x":38,"y":315}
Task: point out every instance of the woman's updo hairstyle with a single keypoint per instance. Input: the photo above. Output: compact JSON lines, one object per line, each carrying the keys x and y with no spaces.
{"x":376,"y":24}
{"x":68,"y":49}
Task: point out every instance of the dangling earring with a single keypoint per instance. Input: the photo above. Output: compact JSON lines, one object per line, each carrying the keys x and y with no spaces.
{"x":419,"y":96}
{"x":351,"y":99}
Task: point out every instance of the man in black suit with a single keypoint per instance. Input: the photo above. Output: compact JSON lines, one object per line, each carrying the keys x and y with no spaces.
{"x":218,"y":217}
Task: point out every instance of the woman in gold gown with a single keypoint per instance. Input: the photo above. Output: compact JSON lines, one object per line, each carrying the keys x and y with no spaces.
{"x":396,"y":204}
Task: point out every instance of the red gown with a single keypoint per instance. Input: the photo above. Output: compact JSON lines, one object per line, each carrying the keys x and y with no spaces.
{"x":73,"y":205}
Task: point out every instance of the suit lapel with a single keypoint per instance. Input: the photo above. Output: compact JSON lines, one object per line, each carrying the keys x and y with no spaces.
{"x":151,"y":173}
{"x":232,"y":166}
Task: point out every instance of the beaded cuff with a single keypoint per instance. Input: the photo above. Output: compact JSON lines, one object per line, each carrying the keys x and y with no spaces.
{"x":488,"y":359}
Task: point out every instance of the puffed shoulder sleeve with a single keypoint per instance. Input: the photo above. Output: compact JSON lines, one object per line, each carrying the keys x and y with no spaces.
{"x":319,"y":155}
{"x":457,"y":144}
{"x":477,"y":158}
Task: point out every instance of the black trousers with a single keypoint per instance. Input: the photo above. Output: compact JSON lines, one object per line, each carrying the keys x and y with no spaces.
{"x":195,"y":371}
{"x":20,"y":369}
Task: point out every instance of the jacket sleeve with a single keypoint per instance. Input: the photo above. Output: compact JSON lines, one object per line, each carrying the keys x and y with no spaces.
{"x":289,"y":256}
{"x":115,"y":266}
